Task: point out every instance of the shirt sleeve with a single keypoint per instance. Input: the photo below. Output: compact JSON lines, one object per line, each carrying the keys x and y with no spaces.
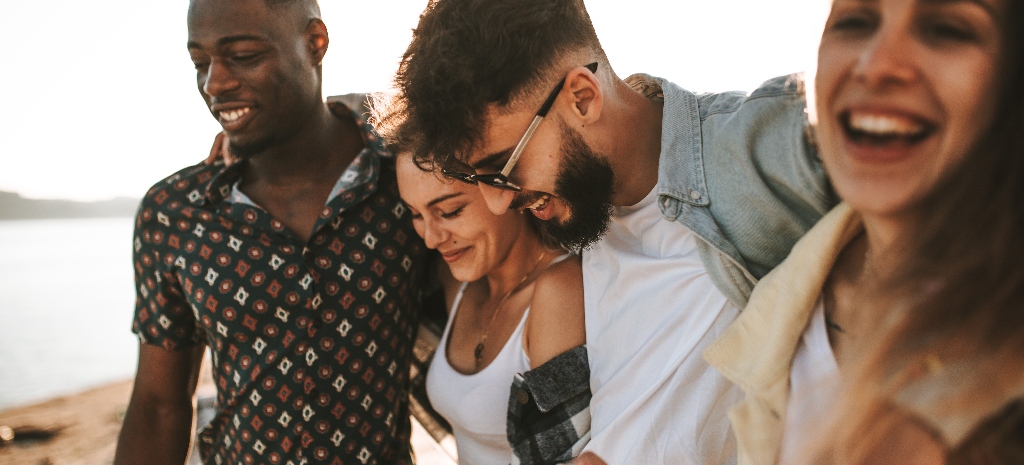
{"x":163,"y":315}
{"x":548,"y":418}
{"x":766,"y":181}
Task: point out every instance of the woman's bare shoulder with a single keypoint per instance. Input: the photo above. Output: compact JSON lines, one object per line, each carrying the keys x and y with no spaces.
{"x":556,"y":322}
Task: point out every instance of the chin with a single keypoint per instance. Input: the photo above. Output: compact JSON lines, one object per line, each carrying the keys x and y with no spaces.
{"x":877,"y":200}
{"x":465,"y":273}
{"x":243,"y":146}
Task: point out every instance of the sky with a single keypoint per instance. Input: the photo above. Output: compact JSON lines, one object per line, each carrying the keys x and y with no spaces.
{"x":99,"y":97}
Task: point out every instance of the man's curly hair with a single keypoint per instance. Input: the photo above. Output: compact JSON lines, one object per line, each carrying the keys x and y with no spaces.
{"x":468,"y":54}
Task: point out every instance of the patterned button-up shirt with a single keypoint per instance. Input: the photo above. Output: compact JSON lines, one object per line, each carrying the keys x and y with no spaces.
{"x":311,"y":340}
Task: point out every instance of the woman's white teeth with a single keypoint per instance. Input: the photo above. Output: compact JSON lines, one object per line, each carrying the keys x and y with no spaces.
{"x":540,"y":203}
{"x":885,"y":125}
{"x":232,"y":115}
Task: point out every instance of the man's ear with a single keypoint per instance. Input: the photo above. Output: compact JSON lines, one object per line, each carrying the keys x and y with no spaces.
{"x":316,"y":34}
{"x":586,"y":93}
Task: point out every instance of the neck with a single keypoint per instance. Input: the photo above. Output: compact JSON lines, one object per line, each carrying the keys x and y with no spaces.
{"x":634,"y":126}
{"x":524,"y":258}
{"x":317,"y":150}
{"x":881,"y":235}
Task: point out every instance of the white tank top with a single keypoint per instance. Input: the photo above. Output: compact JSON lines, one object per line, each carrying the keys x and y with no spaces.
{"x":813,"y":388}
{"x":476,"y":405}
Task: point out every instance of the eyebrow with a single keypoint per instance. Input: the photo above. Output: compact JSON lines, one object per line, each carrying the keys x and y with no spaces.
{"x":443,"y":198}
{"x":980,"y":3}
{"x":492,"y":159}
{"x":228,"y":40}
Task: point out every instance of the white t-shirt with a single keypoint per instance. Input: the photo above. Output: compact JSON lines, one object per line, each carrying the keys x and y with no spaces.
{"x":813,"y":381}
{"x":651,"y":309}
{"x":476,"y":405}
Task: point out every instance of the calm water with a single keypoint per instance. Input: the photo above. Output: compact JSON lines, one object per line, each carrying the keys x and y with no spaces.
{"x":66,"y":305}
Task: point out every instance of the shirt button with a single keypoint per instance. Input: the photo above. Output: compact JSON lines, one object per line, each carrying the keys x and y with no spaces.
{"x":522,"y":396}
{"x":694,"y":195}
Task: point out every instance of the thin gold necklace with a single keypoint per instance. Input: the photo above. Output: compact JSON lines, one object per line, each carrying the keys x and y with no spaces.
{"x":478,"y":352}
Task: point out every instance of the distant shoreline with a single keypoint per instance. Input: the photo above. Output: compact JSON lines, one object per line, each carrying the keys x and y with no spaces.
{"x":15,"y":207}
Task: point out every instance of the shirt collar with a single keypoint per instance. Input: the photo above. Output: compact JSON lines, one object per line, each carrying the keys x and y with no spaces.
{"x":680,"y":166}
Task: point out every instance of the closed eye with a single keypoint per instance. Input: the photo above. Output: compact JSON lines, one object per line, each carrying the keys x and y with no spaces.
{"x":854,"y":22}
{"x":453,"y":213}
{"x":942,"y":30}
{"x":243,"y":58}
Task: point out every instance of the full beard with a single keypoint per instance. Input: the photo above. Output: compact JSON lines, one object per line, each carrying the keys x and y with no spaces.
{"x":585,"y":184}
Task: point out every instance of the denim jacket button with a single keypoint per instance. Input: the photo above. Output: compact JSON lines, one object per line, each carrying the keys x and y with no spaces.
{"x":522,"y":396}
{"x":694,"y":195}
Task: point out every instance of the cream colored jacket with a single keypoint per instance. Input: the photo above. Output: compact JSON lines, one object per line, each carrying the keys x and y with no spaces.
{"x":756,"y":351}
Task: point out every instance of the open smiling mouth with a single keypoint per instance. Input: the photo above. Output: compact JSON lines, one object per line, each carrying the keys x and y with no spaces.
{"x":230,"y":116}
{"x":542,"y":208}
{"x":540,"y":203}
{"x":881,"y":129}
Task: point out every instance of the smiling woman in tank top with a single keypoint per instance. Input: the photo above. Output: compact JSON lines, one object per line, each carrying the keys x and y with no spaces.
{"x":515,"y":302}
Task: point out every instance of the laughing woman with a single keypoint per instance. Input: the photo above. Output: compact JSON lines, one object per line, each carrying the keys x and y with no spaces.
{"x":516,"y":307}
{"x":918,"y":109}
{"x":945,"y":379}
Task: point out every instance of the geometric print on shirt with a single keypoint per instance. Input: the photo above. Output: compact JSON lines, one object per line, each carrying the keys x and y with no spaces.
{"x":311,"y":340}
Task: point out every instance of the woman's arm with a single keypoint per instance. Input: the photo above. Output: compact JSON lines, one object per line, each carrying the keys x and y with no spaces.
{"x":556,"y":320}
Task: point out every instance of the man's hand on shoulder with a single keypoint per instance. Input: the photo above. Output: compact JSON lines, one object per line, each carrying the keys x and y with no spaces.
{"x":220,"y":151}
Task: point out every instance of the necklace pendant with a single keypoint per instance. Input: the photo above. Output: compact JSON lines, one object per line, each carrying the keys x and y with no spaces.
{"x":478,"y":351}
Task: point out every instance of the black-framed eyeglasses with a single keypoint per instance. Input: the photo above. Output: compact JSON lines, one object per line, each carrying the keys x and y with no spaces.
{"x":500,"y":179}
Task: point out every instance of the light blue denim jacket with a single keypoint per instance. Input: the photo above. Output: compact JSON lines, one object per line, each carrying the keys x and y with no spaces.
{"x":739,"y":171}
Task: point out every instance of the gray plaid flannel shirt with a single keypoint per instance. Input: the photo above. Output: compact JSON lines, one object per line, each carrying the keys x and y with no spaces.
{"x":549,"y":410}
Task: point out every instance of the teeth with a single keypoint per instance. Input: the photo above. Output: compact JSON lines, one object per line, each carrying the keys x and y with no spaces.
{"x":540,"y":203}
{"x":233,"y":115}
{"x":885,"y":125}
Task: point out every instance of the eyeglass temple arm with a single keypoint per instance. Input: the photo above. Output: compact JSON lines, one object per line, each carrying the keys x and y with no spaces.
{"x":536,"y":122}
{"x":522,"y":145}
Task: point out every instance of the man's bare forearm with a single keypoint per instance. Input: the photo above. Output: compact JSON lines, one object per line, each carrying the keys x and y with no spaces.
{"x":155,"y":434}
{"x":158,"y":425}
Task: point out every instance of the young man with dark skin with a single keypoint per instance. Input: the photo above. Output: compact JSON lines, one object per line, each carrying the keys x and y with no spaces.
{"x":297,"y":265}
{"x":678,"y":201}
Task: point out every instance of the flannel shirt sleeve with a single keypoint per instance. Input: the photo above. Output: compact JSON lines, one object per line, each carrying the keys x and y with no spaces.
{"x":549,"y":410}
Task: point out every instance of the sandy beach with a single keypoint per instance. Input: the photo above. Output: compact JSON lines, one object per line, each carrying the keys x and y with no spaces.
{"x":86,"y":425}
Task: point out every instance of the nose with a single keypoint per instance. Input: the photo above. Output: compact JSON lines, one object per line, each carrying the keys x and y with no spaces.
{"x":887,"y":58}
{"x":497,"y":200}
{"x":433,"y":234}
{"x":218,"y":79}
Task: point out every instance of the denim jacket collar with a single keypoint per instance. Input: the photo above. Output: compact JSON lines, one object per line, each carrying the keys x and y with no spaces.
{"x":751,"y":150}
{"x":681,"y":167}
